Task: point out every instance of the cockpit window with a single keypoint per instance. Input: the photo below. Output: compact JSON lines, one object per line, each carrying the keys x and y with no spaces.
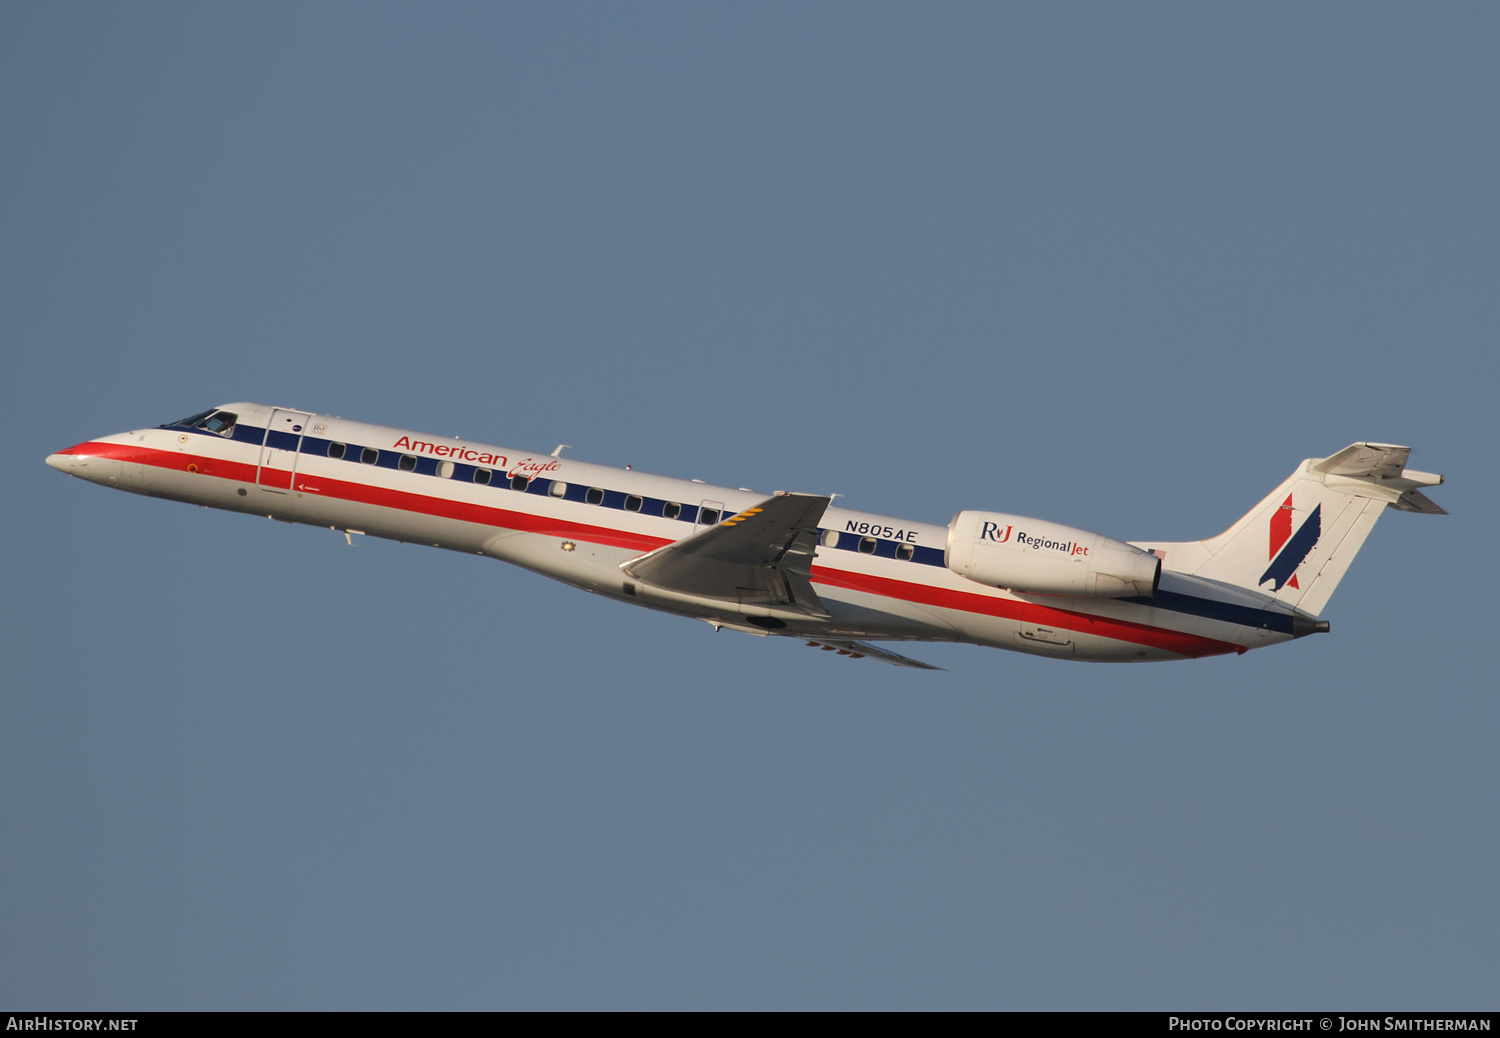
{"x":193,"y":420}
{"x":221,"y":422}
{"x":213,"y":420}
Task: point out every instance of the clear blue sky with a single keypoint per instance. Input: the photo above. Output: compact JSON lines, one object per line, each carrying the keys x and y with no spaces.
{"x":1121,"y":266}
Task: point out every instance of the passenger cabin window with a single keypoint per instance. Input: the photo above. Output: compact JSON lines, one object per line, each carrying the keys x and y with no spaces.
{"x":482,"y":477}
{"x":445,"y":470}
{"x":708,"y":516}
{"x":558,"y":489}
{"x":408,"y":463}
{"x":633,"y":503}
{"x":904,"y":552}
{"x":830,"y":539}
{"x":520,"y":482}
{"x":336,"y":451}
{"x":595,"y":496}
{"x":671,"y":510}
{"x":369,"y":456}
{"x":867,"y":545}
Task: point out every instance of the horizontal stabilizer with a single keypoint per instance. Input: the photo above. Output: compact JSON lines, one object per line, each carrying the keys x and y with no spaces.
{"x":1369,"y":460}
{"x":1416,"y":501}
{"x":857,"y":650}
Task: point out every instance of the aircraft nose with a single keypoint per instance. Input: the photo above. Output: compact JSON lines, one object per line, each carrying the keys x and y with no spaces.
{"x":72,"y":460}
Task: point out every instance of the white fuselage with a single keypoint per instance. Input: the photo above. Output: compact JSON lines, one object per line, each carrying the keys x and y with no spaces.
{"x":877,"y":577}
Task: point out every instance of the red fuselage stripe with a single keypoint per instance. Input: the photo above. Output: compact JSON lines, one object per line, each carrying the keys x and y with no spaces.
{"x":1030,"y":612}
{"x":344,"y":490}
{"x":486,"y":515}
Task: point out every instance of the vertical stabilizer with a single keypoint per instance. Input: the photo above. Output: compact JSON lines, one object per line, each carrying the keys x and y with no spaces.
{"x":1298,"y":542}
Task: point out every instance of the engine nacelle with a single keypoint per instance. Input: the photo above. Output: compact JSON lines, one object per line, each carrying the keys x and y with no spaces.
{"x":1042,"y":558}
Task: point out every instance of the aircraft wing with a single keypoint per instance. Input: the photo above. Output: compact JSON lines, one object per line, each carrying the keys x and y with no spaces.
{"x":760,"y":557}
{"x":854,"y":650}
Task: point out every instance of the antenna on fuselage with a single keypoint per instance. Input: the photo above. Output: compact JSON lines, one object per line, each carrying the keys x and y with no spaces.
{"x":558,"y":453}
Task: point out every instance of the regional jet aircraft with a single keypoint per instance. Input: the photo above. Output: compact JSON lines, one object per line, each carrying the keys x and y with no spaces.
{"x":789,"y":564}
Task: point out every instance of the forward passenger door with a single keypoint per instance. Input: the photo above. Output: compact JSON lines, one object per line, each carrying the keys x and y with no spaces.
{"x":278,"y":452}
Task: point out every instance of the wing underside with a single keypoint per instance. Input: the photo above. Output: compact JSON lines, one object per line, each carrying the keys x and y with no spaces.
{"x":758,"y":559}
{"x":857,"y":650}
{"x":755,"y":566}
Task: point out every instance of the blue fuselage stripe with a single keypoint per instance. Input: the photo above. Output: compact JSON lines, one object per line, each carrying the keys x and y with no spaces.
{"x":1209,"y":609}
{"x":923,"y":555}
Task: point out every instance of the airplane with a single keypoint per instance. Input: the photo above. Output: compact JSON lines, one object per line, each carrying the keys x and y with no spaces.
{"x":789,"y":564}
